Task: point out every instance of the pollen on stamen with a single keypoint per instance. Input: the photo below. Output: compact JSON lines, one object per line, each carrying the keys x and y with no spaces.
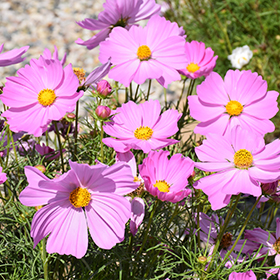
{"x":226,"y":240}
{"x":80,"y":73}
{"x":80,"y":197}
{"x":162,"y":186}
{"x":193,"y":67}
{"x":243,"y":159}
{"x":46,"y":97}
{"x":144,"y":53}
{"x":276,"y":246}
{"x":234,"y":108}
{"x":143,"y":133}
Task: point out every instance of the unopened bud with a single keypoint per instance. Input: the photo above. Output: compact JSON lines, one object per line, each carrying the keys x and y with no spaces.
{"x":70,"y":117}
{"x":202,"y":259}
{"x":103,"y":112}
{"x":40,"y":167}
{"x":103,"y":88}
{"x":270,"y":188}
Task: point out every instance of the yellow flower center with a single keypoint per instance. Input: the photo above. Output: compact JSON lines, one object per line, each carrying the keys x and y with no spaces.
{"x":46,"y":97}
{"x":276,"y":246}
{"x":193,"y":67}
{"x":243,"y":159}
{"x":226,"y":240}
{"x":80,"y":197}
{"x":162,"y":186}
{"x":143,"y":133}
{"x":80,"y":73}
{"x":234,"y":108}
{"x":144,"y":52}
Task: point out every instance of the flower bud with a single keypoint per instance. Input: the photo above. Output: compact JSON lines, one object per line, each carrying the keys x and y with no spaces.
{"x":270,"y":188}
{"x":70,"y":117}
{"x":103,"y":88}
{"x":40,"y":167}
{"x":202,"y":259}
{"x":103,"y":112}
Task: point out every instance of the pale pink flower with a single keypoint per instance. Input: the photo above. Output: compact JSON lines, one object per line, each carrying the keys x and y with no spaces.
{"x":241,"y":99}
{"x":86,"y":197}
{"x":43,"y":91}
{"x":156,"y":51}
{"x":13,"y":56}
{"x":122,"y":13}
{"x":240,"y":161}
{"x":164,"y":178}
{"x":141,"y":127}
{"x":201,"y":61}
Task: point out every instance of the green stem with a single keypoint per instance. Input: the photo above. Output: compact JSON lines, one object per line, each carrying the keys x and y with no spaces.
{"x":149,"y":89}
{"x":76,"y":132}
{"x":272,"y":217}
{"x":223,"y":229}
{"x":47,"y":137}
{"x":147,"y":229}
{"x":197,"y":217}
{"x":14,"y":147}
{"x":126,"y":95}
{"x":130,"y":91}
{"x":44,"y":259}
{"x":182,"y":92}
{"x":240,"y":233}
{"x":165,"y":97}
{"x":60,"y":146}
{"x":101,"y":142}
{"x":135,"y":99}
{"x":190,"y":89}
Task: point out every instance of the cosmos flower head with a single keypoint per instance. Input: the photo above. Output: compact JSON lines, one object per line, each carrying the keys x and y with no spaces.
{"x":86,"y":197}
{"x":241,"y":99}
{"x":116,"y":13}
{"x":141,"y":127}
{"x":270,"y":242}
{"x":42,"y":92}
{"x":241,"y":162}
{"x":201,"y":61}
{"x":13,"y":56}
{"x":248,"y":275}
{"x":156,"y":51}
{"x":164,"y":178}
{"x":240,"y":56}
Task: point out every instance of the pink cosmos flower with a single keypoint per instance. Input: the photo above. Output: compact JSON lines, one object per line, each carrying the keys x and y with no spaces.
{"x":241,"y":161}
{"x":141,"y":127}
{"x":209,"y":231}
{"x":42,"y":92}
{"x":84,"y":197}
{"x":241,"y":99}
{"x":3,"y":176}
{"x":122,"y":13}
{"x":12,"y":56}
{"x":153,"y":52}
{"x":164,"y":178}
{"x":49,"y":153}
{"x":137,"y":214}
{"x":270,"y":244}
{"x":201,"y":61}
{"x":248,"y":275}
{"x":48,"y":55}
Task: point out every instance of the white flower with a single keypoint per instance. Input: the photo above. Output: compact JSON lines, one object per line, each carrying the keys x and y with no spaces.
{"x":240,"y":57}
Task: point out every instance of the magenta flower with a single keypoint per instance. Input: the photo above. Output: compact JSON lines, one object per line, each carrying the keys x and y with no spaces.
{"x":248,"y":275}
{"x":137,"y":214}
{"x":270,"y":244}
{"x":49,"y":153}
{"x":241,"y":161}
{"x":209,"y":231}
{"x":241,"y":99}
{"x":164,"y":178}
{"x":117,"y":13}
{"x":13,"y":56}
{"x":141,"y":127}
{"x":103,"y":112}
{"x":48,"y":55}
{"x":153,"y":52}
{"x":42,"y":92}
{"x":3,"y":176}
{"x":84,"y":197}
{"x":201,"y":61}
